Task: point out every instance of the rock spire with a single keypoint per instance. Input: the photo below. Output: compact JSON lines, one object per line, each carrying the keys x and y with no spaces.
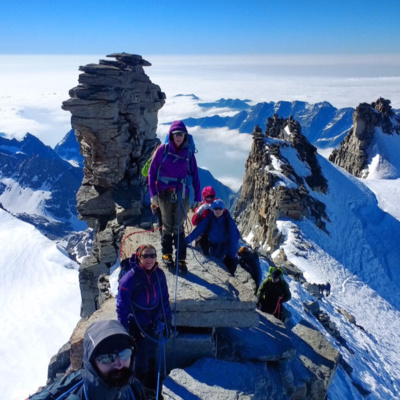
{"x":114,"y":114}
{"x":273,"y":189}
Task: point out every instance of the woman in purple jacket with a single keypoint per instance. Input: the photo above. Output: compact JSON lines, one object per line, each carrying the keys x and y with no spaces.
{"x":172,"y":172}
{"x":143,"y":309}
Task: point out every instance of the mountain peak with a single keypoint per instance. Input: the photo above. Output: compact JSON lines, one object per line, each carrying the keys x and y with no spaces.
{"x":369,"y":149}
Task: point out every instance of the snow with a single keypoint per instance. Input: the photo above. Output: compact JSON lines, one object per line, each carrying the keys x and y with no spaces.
{"x":40,"y":305}
{"x":17,"y":199}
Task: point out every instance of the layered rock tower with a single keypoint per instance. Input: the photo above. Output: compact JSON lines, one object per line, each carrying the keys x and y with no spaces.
{"x":271,"y":187}
{"x":352,"y":155}
{"x":114,"y":114}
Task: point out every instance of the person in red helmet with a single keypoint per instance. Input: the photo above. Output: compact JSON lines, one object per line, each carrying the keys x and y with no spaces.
{"x":202,"y":212}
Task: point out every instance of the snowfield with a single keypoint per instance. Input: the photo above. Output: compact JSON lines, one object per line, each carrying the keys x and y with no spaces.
{"x":40,"y":305}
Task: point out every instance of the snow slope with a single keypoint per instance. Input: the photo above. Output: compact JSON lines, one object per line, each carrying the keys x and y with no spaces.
{"x":359,"y":257}
{"x":40,"y":305}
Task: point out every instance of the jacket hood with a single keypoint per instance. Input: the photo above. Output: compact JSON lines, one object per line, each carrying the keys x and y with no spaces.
{"x":94,"y":335}
{"x":99,"y":331}
{"x":208,"y":191}
{"x":177,"y":126}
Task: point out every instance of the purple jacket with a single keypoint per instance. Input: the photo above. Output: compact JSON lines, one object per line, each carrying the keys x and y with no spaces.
{"x":146,"y":293}
{"x":175,"y":165}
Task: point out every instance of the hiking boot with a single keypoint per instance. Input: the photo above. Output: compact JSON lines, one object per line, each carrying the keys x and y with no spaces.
{"x":182,"y":267}
{"x":168,"y":262}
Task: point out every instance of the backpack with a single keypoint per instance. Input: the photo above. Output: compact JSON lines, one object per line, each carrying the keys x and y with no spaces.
{"x":60,"y":389}
{"x":146,"y":166}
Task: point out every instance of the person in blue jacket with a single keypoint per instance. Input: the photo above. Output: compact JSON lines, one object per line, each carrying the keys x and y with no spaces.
{"x":222,"y":233}
{"x":143,"y":309}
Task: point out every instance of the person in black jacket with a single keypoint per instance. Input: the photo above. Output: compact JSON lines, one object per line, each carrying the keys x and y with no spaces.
{"x":107,"y":374}
{"x":273,"y":292}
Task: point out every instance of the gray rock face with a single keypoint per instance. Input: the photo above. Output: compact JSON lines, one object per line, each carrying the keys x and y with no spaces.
{"x":272,"y":188}
{"x":114,"y":115}
{"x":218,"y":379}
{"x":352,"y":155}
{"x":268,"y":341}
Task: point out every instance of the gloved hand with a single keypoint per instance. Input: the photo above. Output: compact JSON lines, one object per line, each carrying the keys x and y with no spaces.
{"x":154,"y":201}
{"x":202,"y":208}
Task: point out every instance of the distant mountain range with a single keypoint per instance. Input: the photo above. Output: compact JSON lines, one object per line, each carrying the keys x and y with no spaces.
{"x":39,"y":185}
{"x":324,"y":125}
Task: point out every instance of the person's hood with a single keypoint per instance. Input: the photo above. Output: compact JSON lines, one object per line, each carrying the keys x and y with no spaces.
{"x":208,"y":191}
{"x":94,"y":335}
{"x":177,"y":126}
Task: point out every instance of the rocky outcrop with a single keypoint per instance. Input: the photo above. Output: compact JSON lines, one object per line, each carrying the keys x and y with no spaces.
{"x":114,"y":115}
{"x":281,"y":171}
{"x":353,"y":153}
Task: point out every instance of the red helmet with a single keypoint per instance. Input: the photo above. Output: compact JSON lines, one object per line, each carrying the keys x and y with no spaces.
{"x":208,"y":191}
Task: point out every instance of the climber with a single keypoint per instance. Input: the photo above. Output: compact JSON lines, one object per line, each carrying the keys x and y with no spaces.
{"x":143,"y":309}
{"x":107,"y":374}
{"x":222,"y":233}
{"x":273,"y":292}
{"x":248,"y":259}
{"x":325,"y":289}
{"x":202,"y":212}
{"x":171,"y":173}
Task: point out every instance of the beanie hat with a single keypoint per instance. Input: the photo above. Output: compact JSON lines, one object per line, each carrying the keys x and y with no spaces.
{"x":276,"y":274}
{"x":112,"y":344}
{"x":177,"y":126}
{"x":208,"y":191}
{"x":217,"y":204}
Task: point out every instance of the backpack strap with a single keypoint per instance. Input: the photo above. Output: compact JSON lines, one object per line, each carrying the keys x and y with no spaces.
{"x":167,"y":179}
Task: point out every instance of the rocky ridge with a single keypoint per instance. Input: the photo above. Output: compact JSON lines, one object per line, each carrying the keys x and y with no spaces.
{"x":225,"y":348}
{"x":276,"y":186}
{"x":354,"y":153}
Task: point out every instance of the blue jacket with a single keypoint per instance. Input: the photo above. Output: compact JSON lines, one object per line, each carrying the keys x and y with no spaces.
{"x":145,"y":294}
{"x":222,"y":233}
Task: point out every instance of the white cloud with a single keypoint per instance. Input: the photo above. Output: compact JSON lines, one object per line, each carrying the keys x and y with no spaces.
{"x":33,"y":87}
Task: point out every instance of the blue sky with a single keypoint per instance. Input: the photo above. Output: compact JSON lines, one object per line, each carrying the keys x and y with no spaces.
{"x":199,"y":27}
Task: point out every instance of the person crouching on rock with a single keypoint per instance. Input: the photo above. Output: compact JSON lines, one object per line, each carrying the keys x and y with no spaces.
{"x":143,"y":309}
{"x":172,"y":171}
{"x":273,"y":292}
{"x":222,"y":233}
{"x":203,"y":211}
{"x":249,"y":261}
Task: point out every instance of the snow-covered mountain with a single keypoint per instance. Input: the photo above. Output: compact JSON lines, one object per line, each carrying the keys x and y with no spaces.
{"x":38,"y":186}
{"x":324,"y":125}
{"x":353,"y":243}
{"x":363,"y":226}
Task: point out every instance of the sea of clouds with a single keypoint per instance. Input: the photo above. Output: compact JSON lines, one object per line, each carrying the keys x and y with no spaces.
{"x":33,"y":88}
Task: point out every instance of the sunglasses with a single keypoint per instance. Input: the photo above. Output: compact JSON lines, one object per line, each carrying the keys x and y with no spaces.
{"x":145,"y":256}
{"x":209,"y":197}
{"x":123,"y":355}
{"x":178,"y":133}
{"x":217,"y":209}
